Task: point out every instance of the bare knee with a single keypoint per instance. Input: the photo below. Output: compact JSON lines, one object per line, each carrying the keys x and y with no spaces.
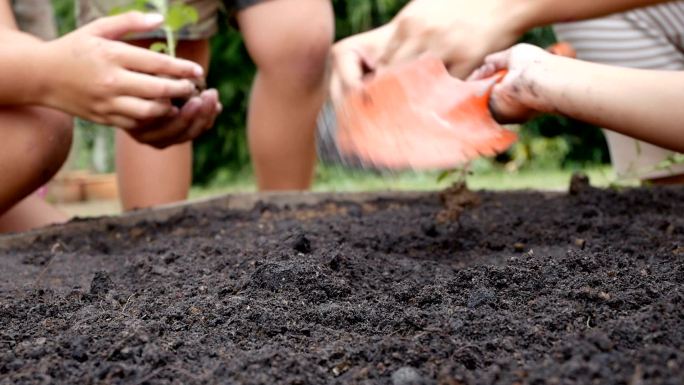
{"x":298,"y":59}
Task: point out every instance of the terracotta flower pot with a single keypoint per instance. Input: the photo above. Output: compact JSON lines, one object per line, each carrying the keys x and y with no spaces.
{"x":101,"y":187}
{"x":80,"y":186}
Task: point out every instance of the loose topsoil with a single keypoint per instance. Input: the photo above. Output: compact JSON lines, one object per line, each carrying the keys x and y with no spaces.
{"x":524,"y":288}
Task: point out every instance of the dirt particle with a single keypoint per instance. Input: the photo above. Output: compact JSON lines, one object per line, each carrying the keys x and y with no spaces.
{"x":519,"y":247}
{"x":340,"y":368}
{"x":430,"y":230}
{"x":579,"y":183}
{"x":407,"y":376}
{"x":456,"y":199}
{"x":101,"y":284}
{"x":79,"y":354}
{"x":335,"y":263}
{"x":170,"y":257}
{"x":670,"y":229}
{"x":163,"y":271}
{"x":581,"y":243}
{"x":79,"y":350}
{"x":302,"y":244}
{"x":481,"y":296}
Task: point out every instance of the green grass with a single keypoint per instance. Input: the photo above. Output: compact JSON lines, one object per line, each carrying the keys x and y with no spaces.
{"x":341,"y":180}
{"x":336,"y":179}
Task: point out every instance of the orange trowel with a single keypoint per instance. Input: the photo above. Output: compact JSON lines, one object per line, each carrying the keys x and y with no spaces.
{"x":417,"y":116}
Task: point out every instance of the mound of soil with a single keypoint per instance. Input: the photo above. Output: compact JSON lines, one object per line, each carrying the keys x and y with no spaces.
{"x":524,"y":288}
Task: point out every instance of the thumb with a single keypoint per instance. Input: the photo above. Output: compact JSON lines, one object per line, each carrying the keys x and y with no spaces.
{"x":493,"y":63}
{"x":116,"y":27}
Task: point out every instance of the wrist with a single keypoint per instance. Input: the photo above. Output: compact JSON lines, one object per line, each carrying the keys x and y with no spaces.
{"x":538,"y":82}
{"x":44,"y":74}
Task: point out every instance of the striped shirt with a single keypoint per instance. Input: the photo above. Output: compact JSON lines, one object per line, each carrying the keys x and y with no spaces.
{"x":645,"y":38}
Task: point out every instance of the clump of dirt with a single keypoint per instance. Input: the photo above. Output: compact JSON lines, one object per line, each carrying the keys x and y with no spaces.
{"x":456,"y":199}
{"x":529,"y":288}
{"x":200,"y":86}
{"x":101,"y":284}
{"x":579,"y":183}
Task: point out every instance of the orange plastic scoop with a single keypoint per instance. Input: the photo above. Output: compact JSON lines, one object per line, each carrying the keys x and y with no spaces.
{"x":418,"y":116}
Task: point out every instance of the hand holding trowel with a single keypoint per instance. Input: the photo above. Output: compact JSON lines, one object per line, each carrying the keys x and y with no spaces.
{"x":417,"y":116}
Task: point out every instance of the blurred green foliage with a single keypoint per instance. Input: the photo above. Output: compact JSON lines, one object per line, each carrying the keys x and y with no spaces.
{"x":545,"y":142}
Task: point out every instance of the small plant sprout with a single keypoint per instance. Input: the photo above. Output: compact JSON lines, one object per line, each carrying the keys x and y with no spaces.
{"x":461,"y":174}
{"x":675,"y":159}
{"x":176,"y":17}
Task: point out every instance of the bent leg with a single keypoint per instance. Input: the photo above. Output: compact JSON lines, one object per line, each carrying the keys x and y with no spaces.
{"x":35,"y":143}
{"x":289,"y":41}
{"x":31,"y":213}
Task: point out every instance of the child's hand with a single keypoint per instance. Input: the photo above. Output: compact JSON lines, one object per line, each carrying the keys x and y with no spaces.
{"x":355,"y":58}
{"x":460,"y":32}
{"x":518,"y":96}
{"x":109,"y":82}
{"x":197,"y":115}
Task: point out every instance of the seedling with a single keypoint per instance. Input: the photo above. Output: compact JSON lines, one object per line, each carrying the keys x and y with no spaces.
{"x":461,"y":174}
{"x":675,"y":159}
{"x":176,"y":17}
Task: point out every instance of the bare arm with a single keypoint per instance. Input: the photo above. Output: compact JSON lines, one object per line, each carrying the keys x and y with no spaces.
{"x":642,"y":104}
{"x":89,"y":74}
{"x":460,"y":32}
{"x":534,"y":13}
{"x":6,"y":15}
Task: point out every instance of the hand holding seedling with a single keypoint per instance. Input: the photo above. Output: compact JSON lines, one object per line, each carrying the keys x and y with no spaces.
{"x":199,"y":109}
{"x":110,"y":82}
{"x":196,"y":116}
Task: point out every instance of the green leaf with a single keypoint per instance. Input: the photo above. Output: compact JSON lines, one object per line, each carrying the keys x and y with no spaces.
{"x":160,"y":47}
{"x":136,"y":5}
{"x":181,"y":15}
{"x":444,"y":174}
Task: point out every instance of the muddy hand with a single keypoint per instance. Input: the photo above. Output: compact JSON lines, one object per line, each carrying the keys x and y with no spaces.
{"x":111,"y":82}
{"x":181,"y":125}
{"x":515,"y":98}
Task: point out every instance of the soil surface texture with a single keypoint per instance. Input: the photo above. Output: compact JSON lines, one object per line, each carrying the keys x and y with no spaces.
{"x":523,"y":288}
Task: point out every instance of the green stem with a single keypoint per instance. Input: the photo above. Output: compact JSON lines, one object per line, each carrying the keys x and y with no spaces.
{"x":170,"y":41}
{"x":162,"y":7}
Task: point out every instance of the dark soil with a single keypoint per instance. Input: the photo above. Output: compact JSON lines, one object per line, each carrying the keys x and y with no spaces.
{"x":200,"y":86}
{"x":525,"y":288}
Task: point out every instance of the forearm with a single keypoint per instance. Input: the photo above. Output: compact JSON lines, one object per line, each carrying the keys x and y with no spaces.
{"x":6,"y":15}
{"x":528,"y":14}
{"x":642,"y":104}
{"x":23,"y":69}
